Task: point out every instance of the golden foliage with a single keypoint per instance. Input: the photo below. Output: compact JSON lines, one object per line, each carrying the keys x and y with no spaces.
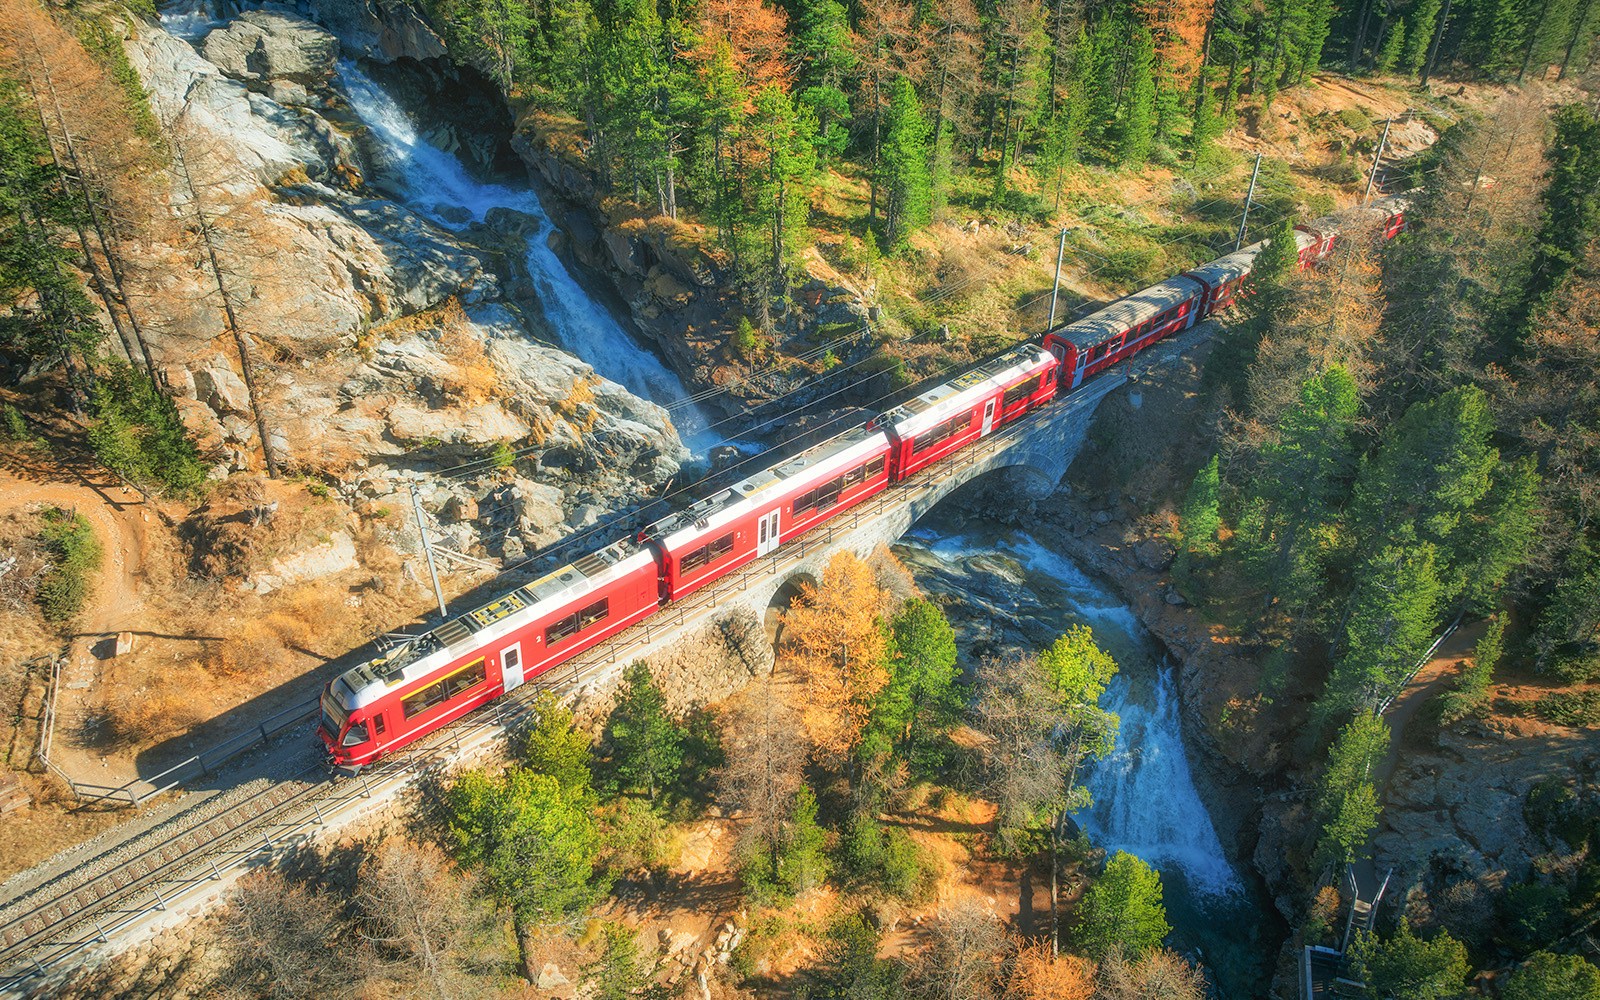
{"x":837,"y":638}
{"x":473,"y":378}
{"x":1038,"y":975}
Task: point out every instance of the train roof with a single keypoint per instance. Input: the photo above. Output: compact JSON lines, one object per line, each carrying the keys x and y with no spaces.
{"x":947,"y":399}
{"x":415,"y":659}
{"x":1127,"y":313}
{"x":1227,"y":267}
{"x":815,"y":464}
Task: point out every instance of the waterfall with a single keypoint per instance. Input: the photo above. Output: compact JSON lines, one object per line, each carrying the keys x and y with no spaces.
{"x":438,"y":186}
{"x":1145,"y":801}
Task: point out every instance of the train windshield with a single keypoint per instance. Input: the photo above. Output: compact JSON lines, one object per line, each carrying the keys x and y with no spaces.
{"x":333,"y":713}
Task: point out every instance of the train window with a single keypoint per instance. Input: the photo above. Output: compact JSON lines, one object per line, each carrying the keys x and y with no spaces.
{"x":875,"y":467}
{"x":357,"y":735}
{"x":574,"y":623}
{"x":444,"y":689}
{"x":943,"y":432}
{"x":707,"y":554}
{"x":1017,"y":393}
{"x":820,"y":497}
{"x":377,"y":725}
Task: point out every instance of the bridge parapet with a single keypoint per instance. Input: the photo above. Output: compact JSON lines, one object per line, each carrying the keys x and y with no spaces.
{"x":1040,"y":447}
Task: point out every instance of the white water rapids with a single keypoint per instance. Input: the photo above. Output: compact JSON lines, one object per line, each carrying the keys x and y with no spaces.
{"x":1011,"y":589}
{"x":439,"y":186}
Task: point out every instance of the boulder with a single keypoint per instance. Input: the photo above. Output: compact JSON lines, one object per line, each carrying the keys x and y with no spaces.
{"x":382,"y":30}
{"x":1155,"y":554}
{"x":220,"y":387}
{"x":550,"y":977}
{"x":483,"y":424}
{"x":539,"y":507}
{"x":272,"y":45}
{"x":335,"y":555}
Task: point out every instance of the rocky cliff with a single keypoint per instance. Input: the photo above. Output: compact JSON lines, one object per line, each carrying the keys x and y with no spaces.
{"x":381,"y":343}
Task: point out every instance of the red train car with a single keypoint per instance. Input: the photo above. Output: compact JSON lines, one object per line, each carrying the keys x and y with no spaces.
{"x":439,"y":676}
{"x":1223,"y":279}
{"x":1123,"y":328}
{"x":751,"y":518}
{"x":968,"y":407}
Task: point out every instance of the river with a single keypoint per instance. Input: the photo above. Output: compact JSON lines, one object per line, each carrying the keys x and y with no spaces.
{"x":1011,"y":591}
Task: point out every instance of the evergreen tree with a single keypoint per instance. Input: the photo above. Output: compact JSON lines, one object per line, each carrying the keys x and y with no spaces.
{"x":802,"y":865}
{"x":496,"y":35}
{"x":1200,"y":518}
{"x":1392,"y":615}
{"x":784,"y":158}
{"x":532,"y":843}
{"x":908,"y":199}
{"x":1207,"y":122}
{"x":1419,"y":35}
{"x":1408,"y":966}
{"x":1123,"y":909}
{"x":1497,"y":534}
{"x":138,"y":434}
{"x":1571,"y":215}
{"x":1393,"y":46}
{"x":1545,"y":976}
{"x":921,"y":695}
{"x":1567,"y":640}
{"x":1346,"y":799}
{"x":555,"y":747}
{"x":647,"y":743}
{"x":1138,"y":125}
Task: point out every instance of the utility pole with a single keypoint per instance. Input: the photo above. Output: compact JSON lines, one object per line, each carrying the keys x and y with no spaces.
{"x":1055,"y":290}
{"x":1377,"y":159}
{"x":427,"y":550}
{"x":1249,"y":195}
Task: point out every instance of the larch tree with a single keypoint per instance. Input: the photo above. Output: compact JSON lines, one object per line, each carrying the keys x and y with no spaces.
{"x":1037,"y":974}
{"x":761,"y":734}
{"x":840,"y":647}
{"x":416,"y":908}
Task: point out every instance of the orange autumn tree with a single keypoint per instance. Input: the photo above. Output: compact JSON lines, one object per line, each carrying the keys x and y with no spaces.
{"x":839,"y":645}
{"x":1036,"y":974}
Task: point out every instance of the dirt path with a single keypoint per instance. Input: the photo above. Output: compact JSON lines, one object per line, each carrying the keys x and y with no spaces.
{"x":123,"y":523}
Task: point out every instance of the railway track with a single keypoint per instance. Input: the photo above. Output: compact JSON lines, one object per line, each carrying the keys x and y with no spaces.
{"x":64,"y":923}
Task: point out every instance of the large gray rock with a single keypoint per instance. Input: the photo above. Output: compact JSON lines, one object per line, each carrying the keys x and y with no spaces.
{"x":272,"y":45}
{"x":384,"y":30}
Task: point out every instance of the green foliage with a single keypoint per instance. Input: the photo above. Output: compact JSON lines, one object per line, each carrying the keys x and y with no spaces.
{"x":797,"y":863}
{"x":1200,"y":519}
{"x":921,"y":696}
{"x":554,"y":746}
{"x":1138,"y":126}
{"x":1577,"y":708}
{"x":1393,"y":612}
{"x":139,"y":435}
{"x":850,"y":968}
{"x":617,"y":973}
{"x":883,"y":858}
{"x":1533,"y":914}
{"x":532,"y":842}
{"x":1123,"y":909}
{"x":1393,"y":46}
{"x":1567,"y":639}
{"x":1545,"y":976}
{"x":1571,"y":209}
{"x":1346,"y":801}
{"x":502,"y":455}
{"x":646,"y":742}
{"x":100,"y":42}
{"x":13,"y":428}
{"x":745,"y":343}
{"x":75,"y":552}
{"x":906,"y":181}
{"x":1408,"y":966}
{"x":1469,"y":695}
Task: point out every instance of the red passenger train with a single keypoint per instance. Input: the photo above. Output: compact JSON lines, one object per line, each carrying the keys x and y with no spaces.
{"x":435,"y":678}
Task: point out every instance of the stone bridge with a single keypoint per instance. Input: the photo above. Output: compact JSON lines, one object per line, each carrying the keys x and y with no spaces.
{"x":1035,"y":452}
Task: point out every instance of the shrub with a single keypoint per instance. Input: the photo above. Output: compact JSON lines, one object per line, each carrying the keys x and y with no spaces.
{"x":12,"y":426}
{"x":502,"y":455}
{"x":139,"y":435}
{"x":1532,"y":914}
{"x":75,"y":551}
{"x":61,"y":595}
{"x":1579,"y":709}
{"x":744,"y":340}
{"x":885,"y":857}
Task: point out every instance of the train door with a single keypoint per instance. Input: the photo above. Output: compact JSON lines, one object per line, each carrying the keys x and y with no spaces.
{"x":511,"y":667}
{"x":988,"y":418}
{"x":767,"y":533}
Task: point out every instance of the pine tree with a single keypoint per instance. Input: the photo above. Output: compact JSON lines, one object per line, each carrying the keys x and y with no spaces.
{"x":646,"y":742}
{"x":1138,"y":124}
{"x":784,"y":157}
{"x":1571,"y":215}
{"x":139,"y":435}
{"x":1346,"y":800}
{"x":1411,"y":967}
{"x":1393,"y":45}
{"x":907,"y":203}
{"x":1419,"y":35}
{"x":554,"y":746}
{"x":921,"y":694}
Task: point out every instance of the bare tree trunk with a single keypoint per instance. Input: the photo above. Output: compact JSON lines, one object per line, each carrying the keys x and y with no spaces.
{"x":241,"y":340}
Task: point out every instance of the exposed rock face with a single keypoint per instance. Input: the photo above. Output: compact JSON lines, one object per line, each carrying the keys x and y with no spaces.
{"x":375,"y":332}
{"x":1462,"y":800}
{"x":383,"y":30}
{"x":271,"y":45}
